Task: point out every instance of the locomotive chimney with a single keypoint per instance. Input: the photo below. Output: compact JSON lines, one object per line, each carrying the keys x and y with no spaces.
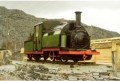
{"x":78,"y":18}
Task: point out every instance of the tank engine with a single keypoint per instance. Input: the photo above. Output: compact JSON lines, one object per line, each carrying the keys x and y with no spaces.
{"x":62,"y":41}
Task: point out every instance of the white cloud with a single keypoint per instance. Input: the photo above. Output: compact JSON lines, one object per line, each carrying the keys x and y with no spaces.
{"x":105,"y":18}
{"x":104,"y":14}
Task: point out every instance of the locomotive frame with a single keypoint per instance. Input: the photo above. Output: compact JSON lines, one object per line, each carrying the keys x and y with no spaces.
{"x":56,"y":45}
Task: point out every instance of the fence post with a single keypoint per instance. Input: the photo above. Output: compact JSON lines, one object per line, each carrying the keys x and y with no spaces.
{"x":114,"y":58}
{"x":114,"y":63}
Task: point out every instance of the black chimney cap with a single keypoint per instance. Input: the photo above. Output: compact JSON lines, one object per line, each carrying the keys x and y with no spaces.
{"x":78,"y":12}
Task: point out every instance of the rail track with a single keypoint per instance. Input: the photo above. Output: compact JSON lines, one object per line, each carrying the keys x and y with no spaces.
{"x":60,"y":62}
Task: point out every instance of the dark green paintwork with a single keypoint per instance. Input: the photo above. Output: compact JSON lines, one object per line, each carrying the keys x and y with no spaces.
{"x":40,"y":41}
{"x":28,"y":46}
{"x":51,"y":41}
{"x":34,"y":39}
{"x":63,"y":40}
{"x":38,"y":37}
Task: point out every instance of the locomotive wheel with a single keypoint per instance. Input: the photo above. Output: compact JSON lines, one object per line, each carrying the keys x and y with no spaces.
{"x":45,"y":55}
{"x":64,"y":58}
{"x":29,"y":56}
{"x":37,"y":57}
{"x":57,"y":56}
{"x":76,"y":60}
{"x":52,"y":56}
{"x":45,"y":58}
{"x":89,"y":57}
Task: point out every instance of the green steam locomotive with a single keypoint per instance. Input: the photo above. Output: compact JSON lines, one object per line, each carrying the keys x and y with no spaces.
{"x":63,"y":41}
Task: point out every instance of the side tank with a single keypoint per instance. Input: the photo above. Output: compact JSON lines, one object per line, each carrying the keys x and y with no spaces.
{"x":53,"y":38}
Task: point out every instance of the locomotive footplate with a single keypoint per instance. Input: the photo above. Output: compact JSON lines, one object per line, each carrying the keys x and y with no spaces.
{"x":68,"y":52}
{"x":88,"y":52}
{"x":62,"y":55}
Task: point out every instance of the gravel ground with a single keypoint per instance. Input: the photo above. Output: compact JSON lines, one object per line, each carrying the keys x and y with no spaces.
{"x":19,"y":70}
